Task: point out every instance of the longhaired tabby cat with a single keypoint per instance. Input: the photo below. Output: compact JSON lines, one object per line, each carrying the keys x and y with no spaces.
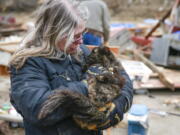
{"x":90,"y":112}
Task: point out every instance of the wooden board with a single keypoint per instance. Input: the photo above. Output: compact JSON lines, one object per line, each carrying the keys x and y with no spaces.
{"x":155,"y":83}
{"x":9,"y":48}
{"x":11,"y":118}
{"x":3,"y":70}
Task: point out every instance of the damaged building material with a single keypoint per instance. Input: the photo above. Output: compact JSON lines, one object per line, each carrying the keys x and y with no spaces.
{"x":18,"y":5}
{"x":170,"y":52}
{"x":4,"y":62}
{"x":166,"y":81}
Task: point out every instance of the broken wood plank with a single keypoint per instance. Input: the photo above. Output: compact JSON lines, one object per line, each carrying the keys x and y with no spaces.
{"x":4,"y":70}
{"x":159,"y":23}
{"x":10,"y":25}
{"x":109,"y":131}
{"x":166,"y":81}
{"x":4,"y":128}
{"x":10,"y":43}
{"x":9,"y":31}
{"x":11,"y":118}
{"x":9,"y":48}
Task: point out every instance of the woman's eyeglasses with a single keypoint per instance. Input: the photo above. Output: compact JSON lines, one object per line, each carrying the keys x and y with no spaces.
{"x":78,"y":37}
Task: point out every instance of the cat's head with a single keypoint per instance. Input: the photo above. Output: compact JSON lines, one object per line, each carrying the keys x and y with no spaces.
{"x":99,"y":55}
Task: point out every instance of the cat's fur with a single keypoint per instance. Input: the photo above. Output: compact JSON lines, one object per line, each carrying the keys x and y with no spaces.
{"x":103,"y":88}
{"x":92,"y":110}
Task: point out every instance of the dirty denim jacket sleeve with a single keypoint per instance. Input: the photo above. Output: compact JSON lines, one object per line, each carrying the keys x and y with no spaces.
{"x":30,"y":88}
{"x":125,"y":100}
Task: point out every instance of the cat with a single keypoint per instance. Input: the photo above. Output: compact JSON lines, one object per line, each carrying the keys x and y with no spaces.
{"x":90,"y":112}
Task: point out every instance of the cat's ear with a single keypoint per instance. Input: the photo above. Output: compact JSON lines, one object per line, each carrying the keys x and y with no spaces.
{"x":107,"y":50}
{"x":103,"y":50}
{"x":95,"y":50}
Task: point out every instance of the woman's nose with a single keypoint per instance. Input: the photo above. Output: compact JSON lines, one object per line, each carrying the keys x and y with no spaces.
{"x":78,"y":41}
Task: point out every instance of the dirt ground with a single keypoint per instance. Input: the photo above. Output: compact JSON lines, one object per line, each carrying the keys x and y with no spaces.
{"x":158,"y":125}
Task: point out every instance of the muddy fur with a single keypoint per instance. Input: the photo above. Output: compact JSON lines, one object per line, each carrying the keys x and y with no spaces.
{"x":110,"y":81}
{"x":72,"y":102}
{"x":102,"y":90}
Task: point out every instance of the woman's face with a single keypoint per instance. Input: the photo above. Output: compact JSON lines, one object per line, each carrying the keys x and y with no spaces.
{"x":72,"y":48}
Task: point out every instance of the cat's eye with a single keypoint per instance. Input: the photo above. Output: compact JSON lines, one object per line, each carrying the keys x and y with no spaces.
{"x":95,"y":50}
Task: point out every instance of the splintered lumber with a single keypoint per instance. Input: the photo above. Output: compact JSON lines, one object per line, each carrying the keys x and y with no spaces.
{"x":10,"y":43}
{"x":158,"y":24}
{"x":4,"y":128}
{"x":109,"y":131}
{"x":7,"y":117}
{"x":166,"y":81}
{"x":4,"y":70}
{"x":9,"y":31}
{"x":9,"y":48}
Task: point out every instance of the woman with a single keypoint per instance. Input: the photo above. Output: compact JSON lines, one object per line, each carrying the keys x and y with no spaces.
{"x":51,"y":58}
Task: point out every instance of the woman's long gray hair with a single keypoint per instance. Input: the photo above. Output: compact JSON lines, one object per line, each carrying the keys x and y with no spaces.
{"x":55,"y":20}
